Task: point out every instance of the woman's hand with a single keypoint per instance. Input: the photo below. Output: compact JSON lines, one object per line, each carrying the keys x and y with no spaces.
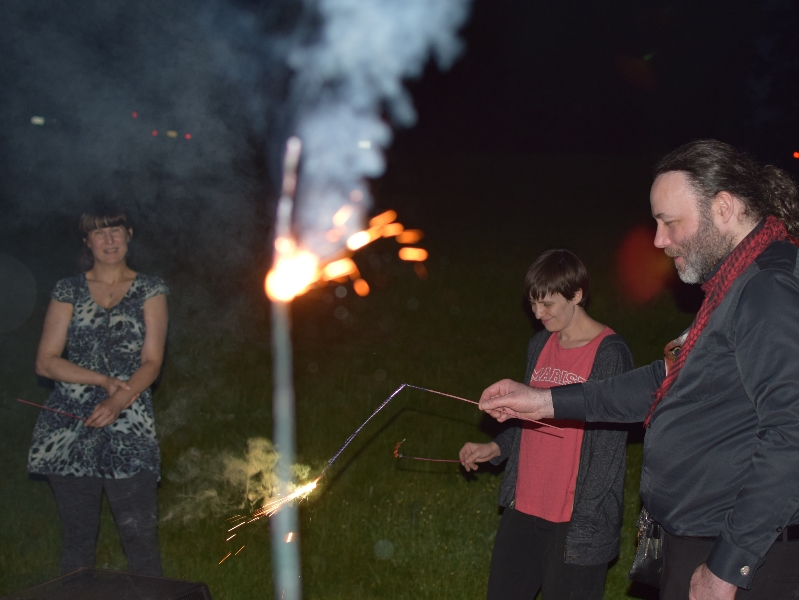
{"x":111,"y":385}
{"x":106,"y":412}
{"x":472,"y":453}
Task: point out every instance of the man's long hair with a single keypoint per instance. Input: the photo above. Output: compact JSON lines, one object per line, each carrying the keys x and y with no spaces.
{"x":712,"y":166}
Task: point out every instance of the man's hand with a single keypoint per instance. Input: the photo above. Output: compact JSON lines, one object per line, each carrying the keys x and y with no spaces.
{"x":706,"y":586}
{"x":507,"y":399}
{"x":472,"y":453}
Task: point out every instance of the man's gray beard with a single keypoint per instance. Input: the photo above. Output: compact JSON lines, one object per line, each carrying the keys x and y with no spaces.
{"x":703,"y":252}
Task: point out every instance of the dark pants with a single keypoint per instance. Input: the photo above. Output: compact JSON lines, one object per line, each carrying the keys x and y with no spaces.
{"x":134,"y":504}
{"x":776,"y":579}
{"x":528,"y":556}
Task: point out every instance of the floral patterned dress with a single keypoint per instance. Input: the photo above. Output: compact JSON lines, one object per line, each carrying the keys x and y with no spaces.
{"x":108,"y":341}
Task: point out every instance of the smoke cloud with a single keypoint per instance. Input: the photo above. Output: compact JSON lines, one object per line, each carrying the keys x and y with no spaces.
{"x":179,"y":113}
{"x":214,"y":485}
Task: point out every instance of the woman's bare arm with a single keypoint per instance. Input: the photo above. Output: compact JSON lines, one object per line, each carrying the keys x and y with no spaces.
{"x":152,"y":356}
{"x":51,"y":346}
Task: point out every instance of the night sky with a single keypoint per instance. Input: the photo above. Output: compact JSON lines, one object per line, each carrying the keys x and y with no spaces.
{"x":621,"y":77}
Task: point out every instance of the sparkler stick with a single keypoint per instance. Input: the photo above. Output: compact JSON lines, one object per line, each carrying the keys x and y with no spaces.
{"x":398,"y":455}
{"x":416,"y":387}
{"x":276,"y":506}
{"x":60,"y":412}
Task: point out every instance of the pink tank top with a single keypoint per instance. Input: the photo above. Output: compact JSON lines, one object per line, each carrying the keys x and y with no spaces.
{"x":549,"y":458}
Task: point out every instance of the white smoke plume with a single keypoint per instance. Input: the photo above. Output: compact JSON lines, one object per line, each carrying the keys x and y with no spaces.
{"x":346,"y":77}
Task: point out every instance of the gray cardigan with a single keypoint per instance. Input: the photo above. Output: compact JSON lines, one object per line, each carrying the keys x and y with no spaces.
{"x":593,"y":535}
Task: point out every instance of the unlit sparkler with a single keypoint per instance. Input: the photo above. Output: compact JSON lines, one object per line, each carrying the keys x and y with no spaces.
{"x":398,"y":455}
{"x":60,"y":412}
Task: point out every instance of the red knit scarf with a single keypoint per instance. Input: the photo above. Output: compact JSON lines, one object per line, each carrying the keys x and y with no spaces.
{"x":716,"y":288}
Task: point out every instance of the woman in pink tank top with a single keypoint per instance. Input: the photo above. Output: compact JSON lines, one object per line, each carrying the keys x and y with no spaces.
{"x":562,"y":490}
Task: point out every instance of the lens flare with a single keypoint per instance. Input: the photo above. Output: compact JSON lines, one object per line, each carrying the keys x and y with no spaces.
{"x":643,"y":270}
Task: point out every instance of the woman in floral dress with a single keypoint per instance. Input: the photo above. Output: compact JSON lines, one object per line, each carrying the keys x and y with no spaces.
{"x":112,"y":322}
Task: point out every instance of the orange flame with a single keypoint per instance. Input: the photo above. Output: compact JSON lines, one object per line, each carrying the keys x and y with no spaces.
{"x":291,"y":276}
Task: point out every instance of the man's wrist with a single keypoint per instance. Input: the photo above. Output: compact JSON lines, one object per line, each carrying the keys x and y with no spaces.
{"x":568,"y":402}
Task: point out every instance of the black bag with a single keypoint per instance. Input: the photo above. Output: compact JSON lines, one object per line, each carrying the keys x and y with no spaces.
{"x":648,"y":561}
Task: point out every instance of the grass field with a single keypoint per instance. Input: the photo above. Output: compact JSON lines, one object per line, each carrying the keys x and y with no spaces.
{"x":377,"y":527}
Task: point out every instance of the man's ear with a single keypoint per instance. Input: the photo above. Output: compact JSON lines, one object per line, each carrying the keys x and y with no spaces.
{"x":725,"y":206}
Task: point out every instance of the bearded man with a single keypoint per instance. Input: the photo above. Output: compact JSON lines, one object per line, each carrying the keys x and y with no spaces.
{"x":721,"y":450}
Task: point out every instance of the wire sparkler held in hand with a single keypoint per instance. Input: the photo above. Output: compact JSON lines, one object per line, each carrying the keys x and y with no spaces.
{"x":398,"y":455}
{"x":60,"y":412}
{"x":270,"y":508}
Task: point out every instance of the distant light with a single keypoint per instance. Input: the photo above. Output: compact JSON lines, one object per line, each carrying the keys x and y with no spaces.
{"x":413,"y":254}
{"x":187,"y":136}
{"x":154,"y":132}
{"x":134,"y":114}
{"x":410,"y":236}
{"x":366,"y":144}
{"x":361,"y":287}
{"x":796,"y":154}
{"x":37,"y":120}
{"x":171,"y":133}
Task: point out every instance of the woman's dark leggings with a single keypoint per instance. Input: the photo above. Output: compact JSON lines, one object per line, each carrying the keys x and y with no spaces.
{"x":528,"y":556}
{"x":134,"y":504}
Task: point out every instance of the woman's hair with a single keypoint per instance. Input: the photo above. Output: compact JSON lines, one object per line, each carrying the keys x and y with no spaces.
{"x":102,"y":214}
{"x":712,"y":167}
{"x":556,"y":272}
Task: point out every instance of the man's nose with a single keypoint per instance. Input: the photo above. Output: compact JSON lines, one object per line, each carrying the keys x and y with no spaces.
{"x":661,"y":239}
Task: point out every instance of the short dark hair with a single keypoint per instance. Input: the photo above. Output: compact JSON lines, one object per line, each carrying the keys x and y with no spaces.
{"x":557,"y":271}
{"x":103,"y":214}
{"x":712,"y":166}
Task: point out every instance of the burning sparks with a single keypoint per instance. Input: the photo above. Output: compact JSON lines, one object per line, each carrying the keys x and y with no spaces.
{"x":270,"y":508}
{"x":410,"y":236}
{"x":291,"y":276}
{"x":413,"y":254}
{"x":295,"y":269}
